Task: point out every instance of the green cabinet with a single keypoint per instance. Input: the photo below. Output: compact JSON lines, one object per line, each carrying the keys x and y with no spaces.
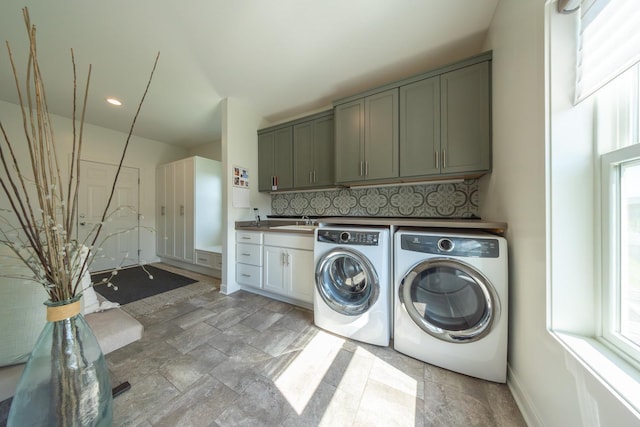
{"x":367,"y":138}
{"x":313,"y":153}
{"x":445,"y":124}
{"x":275,"y":160}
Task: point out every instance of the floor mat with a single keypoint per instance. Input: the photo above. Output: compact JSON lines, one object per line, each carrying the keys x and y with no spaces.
{"x":133,"y":283}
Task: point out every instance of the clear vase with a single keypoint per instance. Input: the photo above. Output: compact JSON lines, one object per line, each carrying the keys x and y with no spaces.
{"x":66,"y":381}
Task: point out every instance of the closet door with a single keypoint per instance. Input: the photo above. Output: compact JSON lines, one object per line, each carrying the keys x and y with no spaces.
{"x":179,"y":209}
{"x":161,"y":211}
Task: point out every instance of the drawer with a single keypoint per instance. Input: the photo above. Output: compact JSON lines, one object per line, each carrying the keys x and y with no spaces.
{"x":209,"y":259}
{"x":217,"y":261}
{"x":249,"y":254}
{"x":250,"y":275}
{"x":289,"y":240}
{"x":254,"y":237}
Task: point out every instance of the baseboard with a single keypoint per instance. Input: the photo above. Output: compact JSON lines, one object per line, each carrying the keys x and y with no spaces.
{"x":525,"y":404}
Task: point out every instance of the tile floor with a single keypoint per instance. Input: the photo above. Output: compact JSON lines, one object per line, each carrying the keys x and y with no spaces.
{"x":207,"y":359}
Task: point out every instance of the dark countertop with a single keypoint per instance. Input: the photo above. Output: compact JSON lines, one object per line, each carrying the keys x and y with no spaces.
{"x":449,"y":223}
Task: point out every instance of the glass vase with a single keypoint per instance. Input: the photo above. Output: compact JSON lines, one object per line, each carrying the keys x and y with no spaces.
{"x":66,"y":381}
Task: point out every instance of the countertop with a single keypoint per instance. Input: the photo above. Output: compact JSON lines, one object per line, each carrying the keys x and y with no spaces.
{"x":467,"y":224}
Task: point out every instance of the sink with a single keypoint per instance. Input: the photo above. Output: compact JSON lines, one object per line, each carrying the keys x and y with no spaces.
{"x":303,"y":227}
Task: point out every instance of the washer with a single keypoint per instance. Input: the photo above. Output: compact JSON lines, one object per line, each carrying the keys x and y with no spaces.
{"x":352,"y":295}
{"x":451,"y":300}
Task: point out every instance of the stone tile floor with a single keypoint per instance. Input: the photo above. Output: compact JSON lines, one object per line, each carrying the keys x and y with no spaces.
{"x":207,"y":359}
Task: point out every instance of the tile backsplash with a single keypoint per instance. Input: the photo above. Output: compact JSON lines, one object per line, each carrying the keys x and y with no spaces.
{"x":419,"y":200}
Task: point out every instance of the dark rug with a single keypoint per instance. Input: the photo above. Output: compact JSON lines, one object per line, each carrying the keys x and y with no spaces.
{"x":134,"y":283}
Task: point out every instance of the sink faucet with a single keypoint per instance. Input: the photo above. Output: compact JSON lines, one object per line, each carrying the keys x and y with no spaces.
{"x":307,"y":220}
{"x":257,"y":221}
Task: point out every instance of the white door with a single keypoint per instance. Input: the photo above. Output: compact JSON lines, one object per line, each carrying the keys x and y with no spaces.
{"x":118,"y":243}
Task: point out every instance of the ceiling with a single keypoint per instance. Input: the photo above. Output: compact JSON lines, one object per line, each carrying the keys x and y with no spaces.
{"x":284,"y":58}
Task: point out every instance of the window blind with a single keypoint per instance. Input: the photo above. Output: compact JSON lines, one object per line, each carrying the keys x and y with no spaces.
{"x":609,"y":43}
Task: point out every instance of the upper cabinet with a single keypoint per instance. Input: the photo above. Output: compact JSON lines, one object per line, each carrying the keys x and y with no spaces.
{"x":367,"y":138}
{"x":275,"y":160}
{"x":297,"y":154}
{"x":313,"y":150}
{"x":430,"y":126}
{"x":445,"y":124}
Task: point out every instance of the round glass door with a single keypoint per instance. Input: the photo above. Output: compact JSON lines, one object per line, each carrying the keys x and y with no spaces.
{"x":449,"y":300}
{"x":347,"y":281}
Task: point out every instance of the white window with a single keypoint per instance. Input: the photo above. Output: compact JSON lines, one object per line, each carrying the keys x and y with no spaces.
{"x":618,"y":123}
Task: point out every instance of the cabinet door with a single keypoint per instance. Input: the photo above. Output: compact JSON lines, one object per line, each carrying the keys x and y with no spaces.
{"x":303,"y":152}
{"x":179,"y":210}
{"x":283,"y":157}
{"x":420,"y":128}
{"x":301,"y":274}
{"x":265,"y":160}
{"x":381,"y":135}
{"x":161,"y":211}
{"x":189,"y":211}
{"x":349,"y":121}
{"x":170,"y":222}
{"x":274,"y":269}
{"x":465,"y":120}
{"x":323,"y":152}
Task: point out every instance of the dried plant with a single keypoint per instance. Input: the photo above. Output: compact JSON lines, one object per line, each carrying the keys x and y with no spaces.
{"x":39,"y":226}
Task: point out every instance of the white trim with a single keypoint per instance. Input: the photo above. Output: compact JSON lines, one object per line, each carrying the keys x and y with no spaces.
{"x":614,"y":373}
{"x":523,"y":400}
{"x":610,"y":178}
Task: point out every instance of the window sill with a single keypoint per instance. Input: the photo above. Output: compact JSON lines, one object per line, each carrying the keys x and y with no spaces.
{"x":616,"y":374}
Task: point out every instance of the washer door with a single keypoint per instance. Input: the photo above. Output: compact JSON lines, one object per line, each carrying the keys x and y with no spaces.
{"x":347,"y":281}
{"x":450,"y":300}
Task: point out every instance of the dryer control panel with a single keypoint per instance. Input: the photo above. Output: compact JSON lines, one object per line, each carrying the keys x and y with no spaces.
{"x":349,"y":237}
{"x":453,"y":246}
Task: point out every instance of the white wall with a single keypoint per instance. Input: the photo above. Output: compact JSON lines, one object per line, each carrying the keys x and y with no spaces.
{"x":549,"y":386}
{"x":104,"y":145}
{"x":211,"y":150}
{"x":239,"y":148}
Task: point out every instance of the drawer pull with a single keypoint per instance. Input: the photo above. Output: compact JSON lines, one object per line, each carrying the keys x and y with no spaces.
{"x":246,"y":237}
{"x":246,"y":275}
{"x":246,"y":254}
{"x":203,"y":259}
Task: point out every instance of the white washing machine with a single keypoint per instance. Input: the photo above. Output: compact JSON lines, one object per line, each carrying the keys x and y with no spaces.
{"x":451,"y":300}
{"x":352,"y":296}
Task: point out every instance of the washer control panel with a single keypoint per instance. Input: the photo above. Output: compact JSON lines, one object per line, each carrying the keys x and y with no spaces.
{"x":454,"y":246}
{"x":349,"y":237}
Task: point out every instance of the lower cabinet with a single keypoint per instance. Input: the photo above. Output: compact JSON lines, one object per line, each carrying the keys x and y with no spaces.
{"x":249,"y":258}
{"x":288,"y":265}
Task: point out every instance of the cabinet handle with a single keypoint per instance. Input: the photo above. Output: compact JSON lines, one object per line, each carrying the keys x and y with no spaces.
{"x":360,"y":173}
{"x":181,"y":210}
{"x":310,"y":176}
{"x":444,"y":159}
{"x":314,"y":176}
{"x":366,"y":168}
{"x":246,"y":237}
{"x":245,"y":254}
{"x":282,"y":259}
{"x":162,"y":210}
{"x":286,"y":257}
{"x":246,"y":275}
{"x":202,"y":259}
{"x":436,"y":159}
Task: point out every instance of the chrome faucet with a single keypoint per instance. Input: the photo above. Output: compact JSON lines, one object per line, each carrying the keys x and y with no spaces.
{"x":307,"y":220}
{"x":257,"y":214}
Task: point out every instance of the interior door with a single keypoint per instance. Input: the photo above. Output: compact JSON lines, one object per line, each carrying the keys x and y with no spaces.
{"x":118,"y":243}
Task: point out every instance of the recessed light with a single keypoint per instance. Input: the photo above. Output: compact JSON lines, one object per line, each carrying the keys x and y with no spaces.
{"x":114,"y":101}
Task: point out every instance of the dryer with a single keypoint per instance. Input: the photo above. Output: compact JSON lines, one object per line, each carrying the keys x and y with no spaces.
{"x":451,"y":300}
{"x":352,"y":295}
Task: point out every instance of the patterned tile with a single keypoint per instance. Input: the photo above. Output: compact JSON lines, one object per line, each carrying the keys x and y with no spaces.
{"x":420,"y":200}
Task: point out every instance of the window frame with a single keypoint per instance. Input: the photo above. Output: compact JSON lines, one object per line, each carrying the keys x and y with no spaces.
{"x":610,"y":179}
